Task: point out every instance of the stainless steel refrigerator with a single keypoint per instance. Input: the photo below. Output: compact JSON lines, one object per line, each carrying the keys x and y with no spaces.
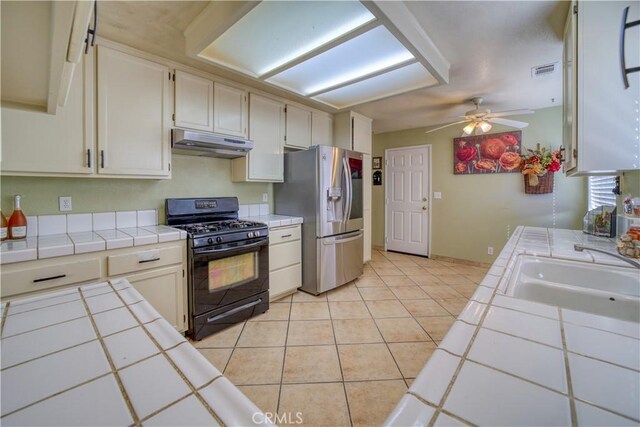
{"x":324,"y":186}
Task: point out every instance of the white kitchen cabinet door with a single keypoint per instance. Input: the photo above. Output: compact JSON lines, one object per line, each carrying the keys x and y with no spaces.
{"x":298,"y":127}
{"x":321,"y":129}
{"x":193,"y":102}
{"x":133,"y":116}
{"x":164,"y":289}
{"x":37,"y":143}
{"x":230,"y":110}
{"x":266,"y":130}
{"x":361,"y":133}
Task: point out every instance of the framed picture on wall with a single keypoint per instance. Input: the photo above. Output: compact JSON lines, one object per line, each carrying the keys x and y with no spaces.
{"x":487,"y":154}
{"x":376,"y":163}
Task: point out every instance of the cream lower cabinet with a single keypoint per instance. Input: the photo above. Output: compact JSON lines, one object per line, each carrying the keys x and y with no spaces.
{"x":163,"y":288}
{"x":285,"y":260}
{"x":158,"y":272}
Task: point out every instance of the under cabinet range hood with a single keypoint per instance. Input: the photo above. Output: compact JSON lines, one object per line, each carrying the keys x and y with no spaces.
{"x":208,"y":144}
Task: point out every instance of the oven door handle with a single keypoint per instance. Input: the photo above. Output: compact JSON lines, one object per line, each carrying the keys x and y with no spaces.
{"x":214,"y":251}
{"x":234,"y":311}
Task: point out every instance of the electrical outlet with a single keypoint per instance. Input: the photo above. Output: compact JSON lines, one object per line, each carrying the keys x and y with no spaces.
{"x":64,"y":204}
{"x":265,"y":197}
{"x":437,"y":195}
{"x":489,"y":250}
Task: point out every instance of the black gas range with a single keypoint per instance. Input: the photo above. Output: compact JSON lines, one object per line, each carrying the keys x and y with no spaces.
{"x":228,"y":262}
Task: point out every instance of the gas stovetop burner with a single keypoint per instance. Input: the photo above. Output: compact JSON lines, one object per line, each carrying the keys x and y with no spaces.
{"x":220,"y":227}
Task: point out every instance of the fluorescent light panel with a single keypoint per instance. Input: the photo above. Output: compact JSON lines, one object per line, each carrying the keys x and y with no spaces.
{"x":277,"y":32}
{"x":375,"y":50}
{"x":401,"y":80}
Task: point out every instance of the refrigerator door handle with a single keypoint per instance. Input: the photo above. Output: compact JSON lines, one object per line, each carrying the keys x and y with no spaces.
{"x":348,"y":198}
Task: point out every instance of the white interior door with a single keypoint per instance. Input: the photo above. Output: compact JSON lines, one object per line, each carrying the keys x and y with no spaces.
{"x":407,"y":193}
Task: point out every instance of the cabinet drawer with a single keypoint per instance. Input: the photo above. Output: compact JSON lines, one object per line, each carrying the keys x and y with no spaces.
{"x":284,"y":234}
{"x":121,"y":264}
{"x":38,"y":278}
{"x":284,"y":255}
{"x":285,"y":281}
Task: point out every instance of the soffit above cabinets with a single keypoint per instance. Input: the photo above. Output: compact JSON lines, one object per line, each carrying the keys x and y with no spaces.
{"x":340,"y":53}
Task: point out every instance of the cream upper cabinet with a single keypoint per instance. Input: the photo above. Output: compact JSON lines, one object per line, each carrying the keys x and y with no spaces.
{"x":361,"y":130}
{"x":133,"y":115}
{"x":193,"y":102}
{"x":37,"y":143}
{"x":230,"y":110}
{"x":298,"y":127}
{"x":266,"y":129}
{"x":602,"y":90}
{"x":321,"y":129}
{"x":352,"y":131}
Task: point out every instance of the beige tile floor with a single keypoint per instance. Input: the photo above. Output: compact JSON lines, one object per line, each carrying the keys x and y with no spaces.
{"x":346,"y":357}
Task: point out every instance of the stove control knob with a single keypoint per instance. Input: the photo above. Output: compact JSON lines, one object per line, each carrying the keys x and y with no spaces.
{"x":257,"y":233}
{"x":219,"y":239}
{"x":209,"y":240}
{"x":250,"y":234}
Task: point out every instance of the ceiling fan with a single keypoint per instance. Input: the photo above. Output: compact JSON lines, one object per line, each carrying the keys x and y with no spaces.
{"x":480,"y":121}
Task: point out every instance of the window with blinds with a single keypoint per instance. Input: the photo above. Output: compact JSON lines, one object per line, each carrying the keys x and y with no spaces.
{"x":600,"y":191}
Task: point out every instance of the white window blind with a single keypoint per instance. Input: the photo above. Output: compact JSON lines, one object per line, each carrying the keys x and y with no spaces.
{"x":600,"y":191}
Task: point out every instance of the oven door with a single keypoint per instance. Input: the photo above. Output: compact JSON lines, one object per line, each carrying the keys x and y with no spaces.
{"x":225,"y":274}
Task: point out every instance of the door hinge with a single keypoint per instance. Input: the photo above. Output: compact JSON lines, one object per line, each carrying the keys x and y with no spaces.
{"x":169,"y":166}
{"x":173,"y":117}
{"x":575,"y":153}
{"x":285,"y":109}
{"x":285,"y":138}
{"x":184,"y":318}
{"x":183,"y":272}
{"x":386,"y":162}
{"x":575,"y":9}
{"x":169,"y":75}
{"x":174,"y":77}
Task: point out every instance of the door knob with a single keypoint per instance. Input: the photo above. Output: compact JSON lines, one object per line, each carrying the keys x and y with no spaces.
{"x":424,"y":199}
{"x":424,"y":208}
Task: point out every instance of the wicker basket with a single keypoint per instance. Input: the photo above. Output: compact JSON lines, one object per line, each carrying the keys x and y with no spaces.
{"x":545,"y":184}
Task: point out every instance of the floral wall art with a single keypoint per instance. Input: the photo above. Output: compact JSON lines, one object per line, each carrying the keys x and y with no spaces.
{"x":492,"y":153}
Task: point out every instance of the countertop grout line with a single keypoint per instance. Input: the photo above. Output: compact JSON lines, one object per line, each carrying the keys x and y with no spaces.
{"x":4,"y":318}
{"x":572,"y":403}
{"x":116,"y":374}
{"x":169,"y":360}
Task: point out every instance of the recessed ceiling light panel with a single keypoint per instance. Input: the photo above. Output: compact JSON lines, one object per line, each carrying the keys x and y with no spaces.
{"x":400,"y":80}
{"x":277,"y":32}
{"x":368,"y":53}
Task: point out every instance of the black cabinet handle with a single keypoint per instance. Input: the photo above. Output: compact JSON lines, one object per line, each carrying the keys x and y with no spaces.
{"x":148,"y":260}
{"x":284,"y":236}
{"x":60,"y":276}
{"x":102,"y":159}
{"x":623,"y":63}
{"x":89,"y":157}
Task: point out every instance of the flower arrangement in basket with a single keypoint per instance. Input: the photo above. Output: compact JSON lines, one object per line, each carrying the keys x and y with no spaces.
{"x":538,"y":167}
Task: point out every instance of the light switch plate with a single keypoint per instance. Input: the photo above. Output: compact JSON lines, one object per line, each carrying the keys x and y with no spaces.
{"x":265,"y":197}
{"x":64,"y":204}
{"x":437,"y":195}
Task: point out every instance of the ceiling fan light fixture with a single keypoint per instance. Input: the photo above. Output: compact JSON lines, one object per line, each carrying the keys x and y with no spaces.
{"x":468,"y":129}
{"x":485,"y":126}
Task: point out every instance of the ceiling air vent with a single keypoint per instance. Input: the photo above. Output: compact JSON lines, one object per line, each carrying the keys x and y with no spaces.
{"x":543,"y":70}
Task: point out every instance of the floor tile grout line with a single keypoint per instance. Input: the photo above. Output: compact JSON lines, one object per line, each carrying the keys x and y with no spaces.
{"x":572,"y":403}
{"x":284,"y":357}
{"x":116,"y":374}
{"x":169,"y":360}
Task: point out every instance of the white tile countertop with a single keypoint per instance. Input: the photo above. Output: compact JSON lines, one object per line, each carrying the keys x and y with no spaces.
{"x":510,"y":361}
{"x":51,"y":236}
{"x":274,"y":220}
{"x":101,"y":355}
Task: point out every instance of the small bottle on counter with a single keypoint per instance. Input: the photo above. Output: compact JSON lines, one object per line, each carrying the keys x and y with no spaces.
{"x":17,"y":221}
{"x":4,"y":232}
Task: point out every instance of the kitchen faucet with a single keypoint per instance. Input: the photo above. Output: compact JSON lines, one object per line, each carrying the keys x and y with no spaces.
{"x":581,"y":248}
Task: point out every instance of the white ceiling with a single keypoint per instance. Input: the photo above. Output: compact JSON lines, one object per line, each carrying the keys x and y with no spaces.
{"x":491,"y":47}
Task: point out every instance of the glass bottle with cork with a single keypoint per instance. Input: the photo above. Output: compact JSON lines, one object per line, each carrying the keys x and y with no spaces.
{"x":17,"y":225}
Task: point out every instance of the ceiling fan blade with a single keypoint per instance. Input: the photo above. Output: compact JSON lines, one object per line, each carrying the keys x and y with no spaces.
{"x":446,"y":126}
{"x":511,"y":113}
{"x":507,"y":122}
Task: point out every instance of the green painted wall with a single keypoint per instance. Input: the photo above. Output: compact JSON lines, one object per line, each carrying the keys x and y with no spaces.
{"x":631,"y":183}
{"x":477,"y":211}
{"x":191,"y":177}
